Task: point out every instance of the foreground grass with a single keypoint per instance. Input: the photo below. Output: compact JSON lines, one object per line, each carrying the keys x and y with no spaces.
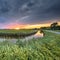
{"x":46,"y":48}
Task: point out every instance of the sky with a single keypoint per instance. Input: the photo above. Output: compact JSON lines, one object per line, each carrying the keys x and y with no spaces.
{"x":27,"y":13}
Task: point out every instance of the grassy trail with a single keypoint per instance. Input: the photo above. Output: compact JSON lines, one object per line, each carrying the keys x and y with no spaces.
{"x":56,"y":32}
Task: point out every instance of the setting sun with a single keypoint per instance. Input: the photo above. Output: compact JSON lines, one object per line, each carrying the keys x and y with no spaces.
{"x":17,"y":28}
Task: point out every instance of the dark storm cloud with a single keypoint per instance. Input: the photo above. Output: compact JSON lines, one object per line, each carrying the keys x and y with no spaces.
{"x":29,"y":11}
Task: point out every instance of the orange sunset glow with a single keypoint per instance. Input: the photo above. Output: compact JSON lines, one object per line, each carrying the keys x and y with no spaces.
{"x":27,"y":26}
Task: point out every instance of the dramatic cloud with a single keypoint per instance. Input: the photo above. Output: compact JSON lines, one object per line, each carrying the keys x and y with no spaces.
{"x":29,"y":11}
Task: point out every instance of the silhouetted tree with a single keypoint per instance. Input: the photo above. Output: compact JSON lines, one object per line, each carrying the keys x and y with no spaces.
{"x":54,"y":26}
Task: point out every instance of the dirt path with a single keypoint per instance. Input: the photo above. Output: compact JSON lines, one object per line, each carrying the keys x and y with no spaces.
{"x":53,"y":32}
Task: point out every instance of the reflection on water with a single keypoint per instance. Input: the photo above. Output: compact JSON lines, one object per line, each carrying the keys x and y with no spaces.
{"x":2,"y":39}
{"x":37,"y":35}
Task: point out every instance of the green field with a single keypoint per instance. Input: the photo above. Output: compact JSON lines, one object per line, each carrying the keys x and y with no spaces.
{"x":16,"y":31}
{"x":57,"y":30}
{"x":13,"y":33}
{"x":46,"y":48}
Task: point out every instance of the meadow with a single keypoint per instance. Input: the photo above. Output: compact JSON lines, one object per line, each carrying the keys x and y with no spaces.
{"x":46,"y":48}
{"x":13,"y":33}
{"x":57,"y":30}
{"x":16,"y":30}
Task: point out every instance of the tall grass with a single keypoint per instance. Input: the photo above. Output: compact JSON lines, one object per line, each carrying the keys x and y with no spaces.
{"x":16,"y":33}
{"x":46,"y":48}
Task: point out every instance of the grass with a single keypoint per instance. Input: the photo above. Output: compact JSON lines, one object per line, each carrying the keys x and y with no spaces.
{"x":15,"y":31}
{"x":57,"y":30}
{"x":6,"y":33}
{"x":46,"y":48}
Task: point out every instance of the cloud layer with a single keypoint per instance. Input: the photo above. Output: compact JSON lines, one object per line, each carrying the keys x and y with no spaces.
{"x":29,"y":11}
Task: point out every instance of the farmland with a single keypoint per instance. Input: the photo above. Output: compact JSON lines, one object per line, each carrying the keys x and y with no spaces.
{"x":46,"y":48}
{"x":16,"y":33}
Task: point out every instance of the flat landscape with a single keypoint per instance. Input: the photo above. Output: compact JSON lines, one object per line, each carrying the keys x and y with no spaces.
{"x":13,"y":33}
{"x":16,"y":30}
{"x":29,"y":29}
{"x":46,"y":48}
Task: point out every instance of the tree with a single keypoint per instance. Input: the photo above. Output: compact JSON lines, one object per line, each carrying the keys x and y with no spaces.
{"x":54,"y":26}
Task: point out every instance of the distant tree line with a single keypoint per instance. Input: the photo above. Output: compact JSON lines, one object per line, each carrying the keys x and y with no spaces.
{"x":53,"y":26}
